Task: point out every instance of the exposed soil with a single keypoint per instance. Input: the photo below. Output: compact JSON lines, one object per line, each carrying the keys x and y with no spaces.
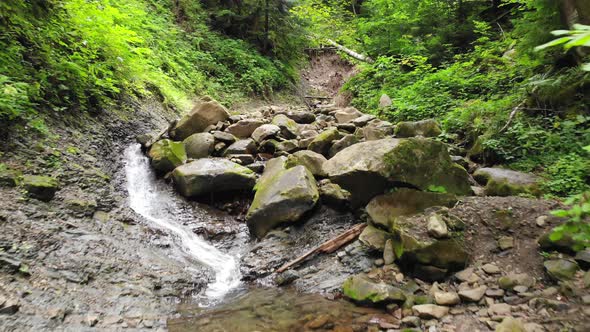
{"x":326,"y":74}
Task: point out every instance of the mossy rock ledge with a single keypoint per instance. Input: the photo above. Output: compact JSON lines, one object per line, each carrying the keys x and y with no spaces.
{"x":505,"y":182}
{"x":40,"y":187}
{"x":209,"y":175}
{"x":282,"y":196}
{"x":370,"y":168}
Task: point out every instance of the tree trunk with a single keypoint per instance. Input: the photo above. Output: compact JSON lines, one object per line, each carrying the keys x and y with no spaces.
{"x":350,"y":52}
{"x":266,"y":25}
{"x":569,"y":15}
{"x":583,"y":8}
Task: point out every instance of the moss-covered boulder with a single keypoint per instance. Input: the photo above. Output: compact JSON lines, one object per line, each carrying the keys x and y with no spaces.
{"x":199,"y":145}
{"x":9,"y":177}
{"x":425,"y":128}
{"x":289,"y":128}
{"x":333,"y":194}
{"x":205,"y":113}
{"x":561,"y":269}
{"x":374,"y":238}
{"x":385,"y":210}
{"x":282,"y":196}
{"x":505,"y":182}
{"x":323,"y":142}
{"x":209,"y":175}
{"x":40,"y":187}
{"x":369,"y":168}
{"x":361,"y":289}
{"x":313,"y":161}
{"x":166,"y":155}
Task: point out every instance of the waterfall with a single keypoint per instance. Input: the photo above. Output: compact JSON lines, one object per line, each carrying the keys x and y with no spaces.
{"x":159,"y":206}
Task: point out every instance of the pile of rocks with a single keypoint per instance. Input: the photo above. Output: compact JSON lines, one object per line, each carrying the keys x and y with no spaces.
{"x":354,"y":156}
{"x":502,"y":300}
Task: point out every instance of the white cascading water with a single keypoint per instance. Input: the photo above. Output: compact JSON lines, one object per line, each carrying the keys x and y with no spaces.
{"x":157,"y":205}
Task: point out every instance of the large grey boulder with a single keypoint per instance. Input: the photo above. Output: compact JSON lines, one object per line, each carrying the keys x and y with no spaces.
{"x":243,"y":146}
{"x":199,"y":145}
{"x":313,"y":161}
{"x":342,"y":144}
{"x":166,"y":155}
{"x":386,"y":210}
{"x":244,"y":128}
{"x":300,"y":116}
{"x":369,"y":168}
{"x":377,"y":130}
{"x":282,"y":196}
{"x":265,"y":132}
{"x":209,"y":175}
{"x":505,"y":182}
{"x":205,"y":113}
{"x":347,"y":114}
{"x":425,"y":128}
{"x":323,"y":142}
{"x":289,"y":128}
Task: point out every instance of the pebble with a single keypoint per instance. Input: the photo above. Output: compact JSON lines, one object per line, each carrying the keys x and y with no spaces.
{"x":379,"y":262}
{"x":491,"y":269}
{"x":411,"y":321}
{"x":447,"y":298}
{"x":506,"y":242}
{"x":541,"y":221}
{"x":430,"y":311}
{"x":494,"y":292}
{"x":520,"y":289}
{"x":473,"y":295}
{"x":499,"y":309}
{"x":464,"y":275}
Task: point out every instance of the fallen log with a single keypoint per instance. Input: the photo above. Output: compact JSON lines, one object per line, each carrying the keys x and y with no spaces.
{"x":317,"y":97}
{"x":327,"y":247}
{"x":350,"y":52}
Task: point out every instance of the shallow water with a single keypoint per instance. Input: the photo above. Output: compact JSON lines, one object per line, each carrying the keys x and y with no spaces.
{"x":163,"y":210}
{"x":272,"y":309}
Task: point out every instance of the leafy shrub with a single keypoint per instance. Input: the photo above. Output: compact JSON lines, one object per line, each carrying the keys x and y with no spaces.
{"x":577,"y":225}
{"x":79,"y":54}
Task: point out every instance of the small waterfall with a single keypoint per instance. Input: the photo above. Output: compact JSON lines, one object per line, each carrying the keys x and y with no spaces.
{"x":158,"y":205}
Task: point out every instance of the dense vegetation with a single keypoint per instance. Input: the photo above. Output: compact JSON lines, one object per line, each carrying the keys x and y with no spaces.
{"x":60,"y":56}
{"x":472,"y":65}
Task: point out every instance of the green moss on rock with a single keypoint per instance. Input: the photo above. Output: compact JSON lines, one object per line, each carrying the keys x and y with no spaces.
{"x":40,"y":187}
{"x":166,"y":155}
{"x":361,"y":289}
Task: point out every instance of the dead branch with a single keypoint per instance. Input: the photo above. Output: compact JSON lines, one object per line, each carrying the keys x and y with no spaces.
{"x":327,"y":247}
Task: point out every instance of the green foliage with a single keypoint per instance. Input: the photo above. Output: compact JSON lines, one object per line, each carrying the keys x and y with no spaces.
{"x":577,"y":225}
{"x":578,"y":37}
{"x":78,"y":54}
{"x":487,"y":85}
{"x":437,"y":189}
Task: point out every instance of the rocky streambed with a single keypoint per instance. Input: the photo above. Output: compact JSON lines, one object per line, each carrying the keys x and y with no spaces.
{"x":187,"y":234}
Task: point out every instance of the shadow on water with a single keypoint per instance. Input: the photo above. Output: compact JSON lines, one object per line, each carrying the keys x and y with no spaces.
{"x":272,"y":309}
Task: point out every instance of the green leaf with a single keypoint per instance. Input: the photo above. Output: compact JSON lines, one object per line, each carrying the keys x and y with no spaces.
{"x":553,"y":43}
